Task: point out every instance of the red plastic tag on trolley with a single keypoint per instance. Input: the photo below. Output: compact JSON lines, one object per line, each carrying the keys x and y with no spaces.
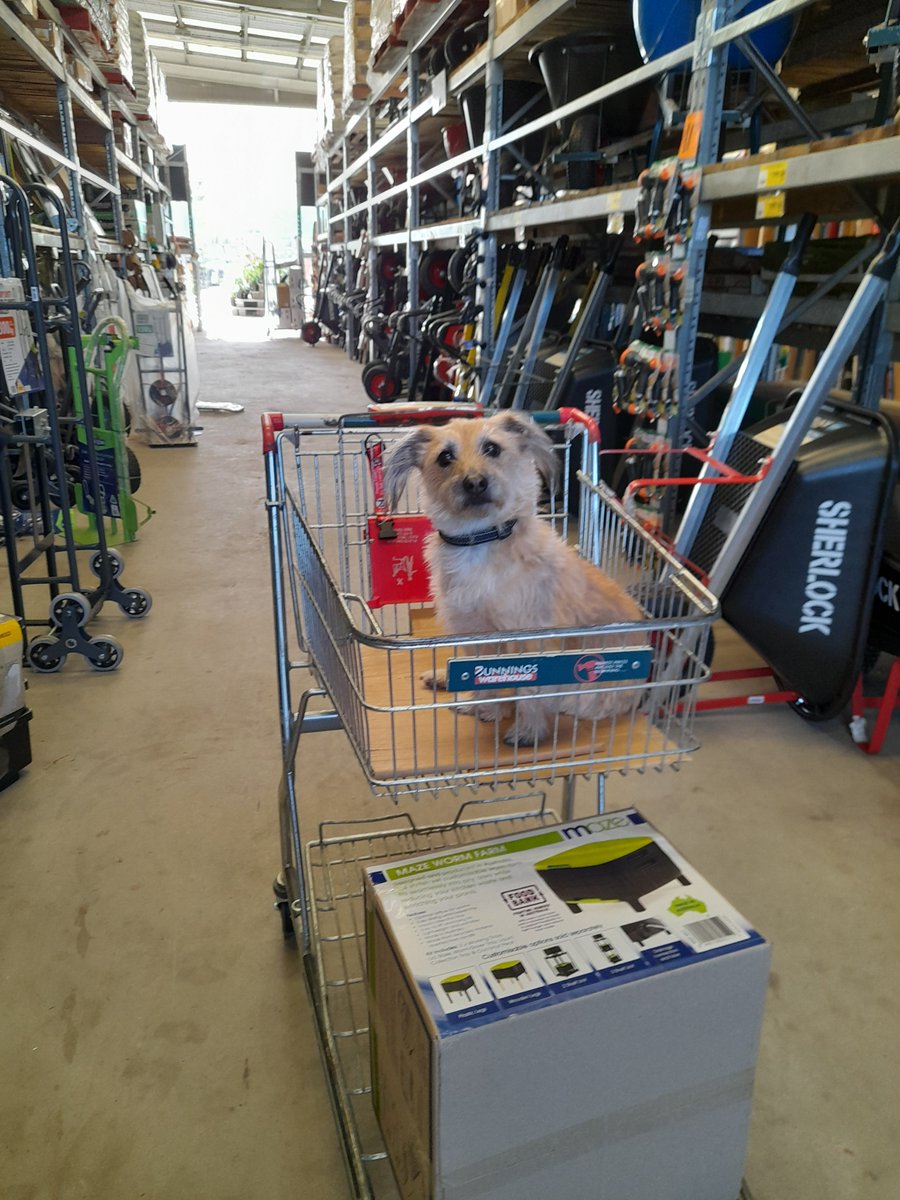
{"x":397,"y":564}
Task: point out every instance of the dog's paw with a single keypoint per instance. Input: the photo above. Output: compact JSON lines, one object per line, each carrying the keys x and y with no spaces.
{"x":524,"y":735}
{"x":489,"y":713}
{"x":436,"y":680}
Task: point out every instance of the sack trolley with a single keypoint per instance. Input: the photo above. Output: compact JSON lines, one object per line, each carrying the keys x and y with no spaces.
{"x":351,"y":650}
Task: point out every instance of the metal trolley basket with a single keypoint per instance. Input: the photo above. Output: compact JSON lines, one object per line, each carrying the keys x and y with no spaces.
{"x":361,"y":654}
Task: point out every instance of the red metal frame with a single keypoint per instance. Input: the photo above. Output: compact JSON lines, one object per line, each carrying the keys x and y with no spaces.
{"x":885,"y":704}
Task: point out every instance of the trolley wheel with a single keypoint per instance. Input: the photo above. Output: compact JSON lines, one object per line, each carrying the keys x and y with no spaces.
{"x":135,"y":603}
{"x":433,"y":273}
{"x":462,"y":42}
{"x":45,"y":655}
{"x":380,"y":382}
{"x":134,"y":471}
{"x":69,"y":604}
{"x":113,"y":557}
{"x":311,"y":332}
{"x":388,"y":266}
{"x":105,"y":653}
{"x":456,"y":269}
{"x":283,"y":906}
{"x":810,"y":712}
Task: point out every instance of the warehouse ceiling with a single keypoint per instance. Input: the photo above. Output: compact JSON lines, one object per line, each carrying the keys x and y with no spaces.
{"x":235,"y":53}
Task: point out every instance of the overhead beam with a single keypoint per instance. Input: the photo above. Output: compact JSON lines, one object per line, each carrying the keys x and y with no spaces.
{"x":328,"y":9}
{"x":200,"y":91}
{"x":237,"y":75}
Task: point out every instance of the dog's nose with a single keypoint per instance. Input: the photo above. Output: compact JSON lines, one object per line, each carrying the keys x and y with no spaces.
{"x":475,"y":485}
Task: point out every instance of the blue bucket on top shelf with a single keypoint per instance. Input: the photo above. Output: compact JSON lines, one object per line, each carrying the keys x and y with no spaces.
{"x":663,"y":27}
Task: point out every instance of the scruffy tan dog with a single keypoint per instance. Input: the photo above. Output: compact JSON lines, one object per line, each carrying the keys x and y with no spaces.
{"x":496,"y":567}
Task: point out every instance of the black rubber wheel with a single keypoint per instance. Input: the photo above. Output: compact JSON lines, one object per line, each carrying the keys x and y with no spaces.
{"x":116,"y":562}
{"x":380,"y":382}
{"x":435,"y":62}
{"x":456,"y":269}
{"x":107,"y":654}
{"x":433,"y":273}
{"x":70,"y":605}
{"x":311,"y":332}
{"x":388,"y":266}
{"x":134,"y":470}
{"x":45,"y":655}
{"x":462,"y":42}
{"x":136,"y":603}
{"x":284,"y":911}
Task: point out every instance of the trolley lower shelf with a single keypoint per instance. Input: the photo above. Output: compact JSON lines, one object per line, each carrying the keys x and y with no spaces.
{"x":335,"y":965}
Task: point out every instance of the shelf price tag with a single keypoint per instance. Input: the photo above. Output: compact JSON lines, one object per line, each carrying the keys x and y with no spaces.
{"x":770,"y":206}
{"x":772,"y":175}
{"x":439,"y":92}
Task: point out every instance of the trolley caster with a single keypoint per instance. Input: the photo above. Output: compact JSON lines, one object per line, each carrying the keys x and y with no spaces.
{"x":284,"y":908}
{"x":69,"y":606}
{"x":114,"y":559}
{"x":311,"y":332}
{"x":135,"y":603}
{"x":104,"y":653}
{"x":45,"y":655}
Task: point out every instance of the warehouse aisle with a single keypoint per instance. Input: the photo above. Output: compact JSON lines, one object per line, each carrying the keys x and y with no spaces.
{"x":156,"y":1037}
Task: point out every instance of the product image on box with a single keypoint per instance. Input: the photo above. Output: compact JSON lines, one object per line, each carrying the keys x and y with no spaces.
{"x":559,"y":963}
{"x":606,"y":948}
{"x":507,"y":973}
{"x":625,"y":869}
{"x":645,"y":931}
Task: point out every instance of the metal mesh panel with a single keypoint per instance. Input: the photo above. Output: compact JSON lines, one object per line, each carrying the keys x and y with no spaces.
{"x":727,"y":502}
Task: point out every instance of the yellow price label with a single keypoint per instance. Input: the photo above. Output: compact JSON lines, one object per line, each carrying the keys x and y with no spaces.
{"x":768,"y":207}
{"x":773,"y":175}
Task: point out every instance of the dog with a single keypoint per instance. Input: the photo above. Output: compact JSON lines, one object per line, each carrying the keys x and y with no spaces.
{"x":496,"y":567}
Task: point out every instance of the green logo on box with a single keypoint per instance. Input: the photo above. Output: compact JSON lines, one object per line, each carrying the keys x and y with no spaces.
{"x":685,"y":904}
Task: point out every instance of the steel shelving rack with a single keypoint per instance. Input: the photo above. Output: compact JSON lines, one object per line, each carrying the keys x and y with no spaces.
{"x":834,"y":177}
{"x":72,"y":128}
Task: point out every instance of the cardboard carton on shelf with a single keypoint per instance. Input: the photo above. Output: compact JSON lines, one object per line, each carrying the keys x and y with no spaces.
{"x":566,"y":1012}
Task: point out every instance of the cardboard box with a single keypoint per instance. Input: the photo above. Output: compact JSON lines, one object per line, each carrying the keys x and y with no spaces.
{"x":508,"y":10}
{"x":49,"y":34}
{"x":572,"y":1012}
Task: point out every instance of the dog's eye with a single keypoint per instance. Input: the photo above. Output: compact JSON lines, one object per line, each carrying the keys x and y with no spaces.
{"x":491,"y":449}
{"x":445,"y":458}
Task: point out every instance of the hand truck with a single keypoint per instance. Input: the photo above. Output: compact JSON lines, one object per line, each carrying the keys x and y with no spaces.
{"x":358,"y":658}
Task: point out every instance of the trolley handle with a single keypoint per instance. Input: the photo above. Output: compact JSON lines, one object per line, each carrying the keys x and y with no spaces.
{"x":413,"y":413}
{"x":272,"y":423}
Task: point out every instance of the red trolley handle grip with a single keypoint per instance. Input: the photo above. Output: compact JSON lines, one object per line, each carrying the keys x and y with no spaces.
{"x":272,"y":423}
{"x":412,"y":413}
{"x":581,"y":418}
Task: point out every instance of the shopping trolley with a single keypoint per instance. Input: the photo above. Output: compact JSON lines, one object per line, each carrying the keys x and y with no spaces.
{"x":351,"y":656}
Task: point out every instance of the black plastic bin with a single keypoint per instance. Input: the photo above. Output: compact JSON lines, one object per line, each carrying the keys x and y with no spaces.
{"x":576,"y":63}
{"x":15,"y":746}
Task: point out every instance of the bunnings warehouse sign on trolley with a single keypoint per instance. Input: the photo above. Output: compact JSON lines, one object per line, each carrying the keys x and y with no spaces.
{"x":495,"y":928}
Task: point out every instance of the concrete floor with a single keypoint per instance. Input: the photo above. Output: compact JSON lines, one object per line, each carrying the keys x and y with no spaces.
{"x":155,"y":1031}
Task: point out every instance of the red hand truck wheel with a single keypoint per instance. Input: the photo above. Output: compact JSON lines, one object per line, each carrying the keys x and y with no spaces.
{"x":380,"y":382}
{"x":433,"y":273}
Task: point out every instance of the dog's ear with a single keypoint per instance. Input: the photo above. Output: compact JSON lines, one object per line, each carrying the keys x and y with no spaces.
{"x":403,"y":457}
{"x":535,"y":442}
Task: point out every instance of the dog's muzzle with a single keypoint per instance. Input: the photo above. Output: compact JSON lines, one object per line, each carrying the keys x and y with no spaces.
{"x":476,"y":489}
